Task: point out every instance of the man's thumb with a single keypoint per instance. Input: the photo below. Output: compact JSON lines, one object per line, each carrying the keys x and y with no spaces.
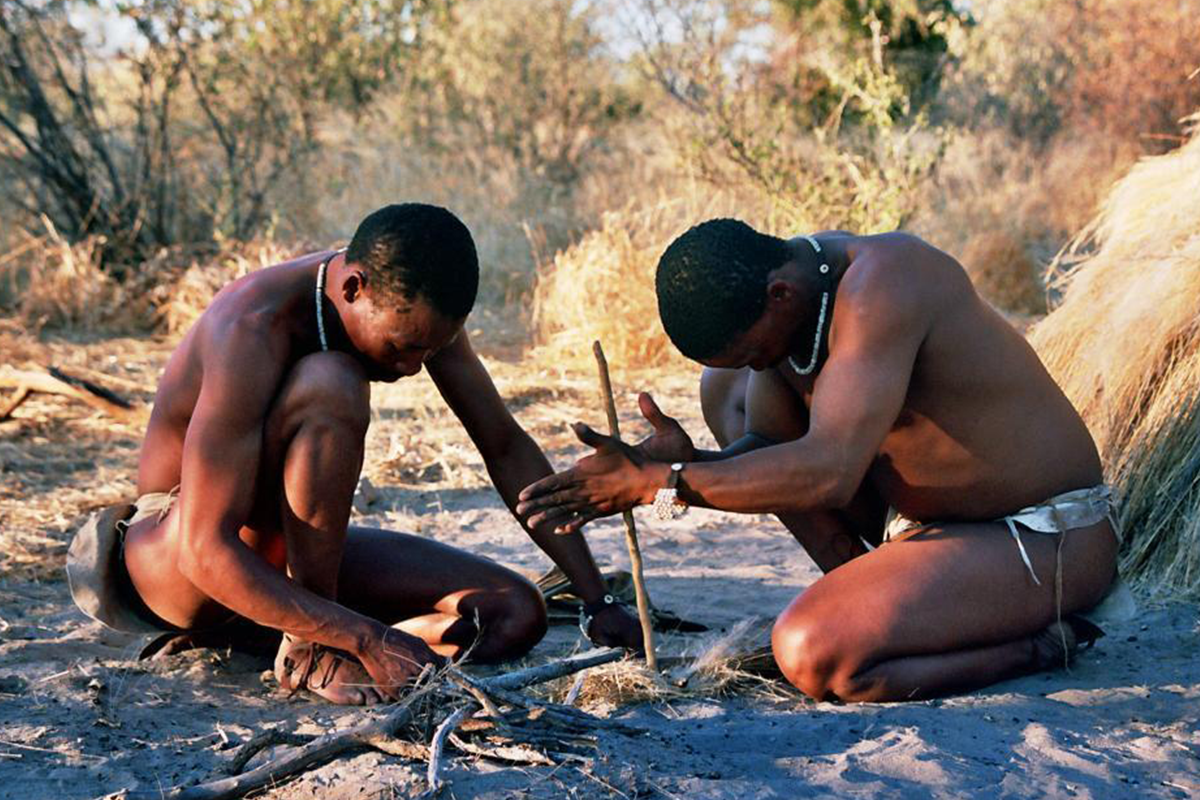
{"x":589,"y":436}
{"x":651,"y":411}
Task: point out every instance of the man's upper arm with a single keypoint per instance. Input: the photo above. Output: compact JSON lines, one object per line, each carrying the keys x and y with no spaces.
{"x":863,"y":384}
{"x":468,"y":389}
{"x":223,"y":445}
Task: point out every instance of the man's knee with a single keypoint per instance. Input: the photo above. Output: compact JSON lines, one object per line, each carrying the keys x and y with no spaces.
{"x":513,"y":618}
{"x":812,"y":655}
{"x":328,"y":387}
{"x":723,"y":403}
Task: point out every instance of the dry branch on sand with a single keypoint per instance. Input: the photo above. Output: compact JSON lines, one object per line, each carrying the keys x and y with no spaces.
{"x":383,"y":733}
{"x":54,"y":381}
{"x":1125,"y":346}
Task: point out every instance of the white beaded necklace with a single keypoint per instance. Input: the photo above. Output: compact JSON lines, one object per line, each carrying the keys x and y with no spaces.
{"x":320,"y":294}
{"x":812,"y":362}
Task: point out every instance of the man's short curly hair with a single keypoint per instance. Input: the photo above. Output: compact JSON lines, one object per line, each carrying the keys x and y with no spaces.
{"x":711,"y":284}
{"x":413,"y":250}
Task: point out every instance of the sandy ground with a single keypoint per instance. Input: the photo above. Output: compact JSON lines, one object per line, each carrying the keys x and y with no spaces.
{"x":81,"y":717}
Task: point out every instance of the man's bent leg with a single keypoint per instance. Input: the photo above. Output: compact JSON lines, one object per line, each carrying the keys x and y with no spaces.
{"x":943,"y":609}
{"x":831,"y":538}
{"x":427,"y":589}
{"x":312,"y":456}
{"x":437,"y":592}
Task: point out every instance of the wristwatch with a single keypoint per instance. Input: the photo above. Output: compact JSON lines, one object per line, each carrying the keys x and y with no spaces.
{"x":667,"y":505}
{"x":591,"y":609}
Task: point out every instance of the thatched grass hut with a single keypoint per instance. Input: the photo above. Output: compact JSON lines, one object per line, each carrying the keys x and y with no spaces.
{"x":1124,"y":343}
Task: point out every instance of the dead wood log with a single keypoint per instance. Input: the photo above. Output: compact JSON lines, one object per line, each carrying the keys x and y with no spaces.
{"x":57,"y":382}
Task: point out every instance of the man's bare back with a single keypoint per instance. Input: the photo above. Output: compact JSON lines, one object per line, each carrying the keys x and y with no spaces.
{"x":983,"y":429}
{"x":921,"y":402}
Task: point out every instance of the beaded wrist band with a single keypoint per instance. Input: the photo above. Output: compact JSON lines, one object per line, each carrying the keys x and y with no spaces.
{"x":667,"y":505}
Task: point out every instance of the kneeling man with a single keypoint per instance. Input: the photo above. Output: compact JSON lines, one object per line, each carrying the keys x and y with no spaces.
{"x":906,"y":435}
{"x":253,"y":453}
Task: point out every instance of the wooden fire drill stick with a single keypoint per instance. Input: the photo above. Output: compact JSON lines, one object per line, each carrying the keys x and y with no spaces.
{"x":635,"y":553}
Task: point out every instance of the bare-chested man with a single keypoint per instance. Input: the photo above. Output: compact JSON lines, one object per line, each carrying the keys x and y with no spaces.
{"x":907,"y":436}
{"x":252,"y":456}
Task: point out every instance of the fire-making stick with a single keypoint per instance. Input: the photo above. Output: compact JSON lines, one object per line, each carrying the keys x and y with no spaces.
{"x":631,"y":540}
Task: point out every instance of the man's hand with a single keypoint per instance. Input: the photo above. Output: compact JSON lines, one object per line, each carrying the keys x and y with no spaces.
{"x":615,"y":626}
{"x":394,"y":658}
{"x":613,"y":479}
{"x":670,"y":441}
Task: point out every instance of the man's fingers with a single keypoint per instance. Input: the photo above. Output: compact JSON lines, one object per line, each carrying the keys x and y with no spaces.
{"x":548,"y":484}
{"x":575,"y":524}
{"x":563,"y":497}
{"x":559,"y":510}
{"x":555,"y":517}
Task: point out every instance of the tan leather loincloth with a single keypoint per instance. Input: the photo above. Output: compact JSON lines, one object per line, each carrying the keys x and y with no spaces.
{"x":96,"y":572}
{"x":1075,"y":509}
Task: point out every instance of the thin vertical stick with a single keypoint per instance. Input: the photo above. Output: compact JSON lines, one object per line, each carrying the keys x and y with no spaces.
{"x":635,"y":553}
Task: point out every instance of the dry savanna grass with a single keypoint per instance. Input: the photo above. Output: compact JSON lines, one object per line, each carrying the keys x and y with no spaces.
{"x":602,"y":288}
{"x":717,"y":665}
{"x":47,"y":281}
{"x":1125,"y":346}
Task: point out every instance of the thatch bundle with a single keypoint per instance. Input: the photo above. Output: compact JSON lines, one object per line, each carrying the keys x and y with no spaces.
{"x":1125,"y":346}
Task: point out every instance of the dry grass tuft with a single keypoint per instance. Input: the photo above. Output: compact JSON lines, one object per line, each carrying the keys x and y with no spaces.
{"x":738,"y":661}
{"x":622,"y":683}
{"x":45,"y":281}
{"x":602,"y":288}
{"x":1125,"y":347}
{"x":1003,"y":272}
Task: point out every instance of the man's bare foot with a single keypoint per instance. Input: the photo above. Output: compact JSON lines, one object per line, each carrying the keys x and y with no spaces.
{"x":1055,"y":646}
{"x":332,"y":674}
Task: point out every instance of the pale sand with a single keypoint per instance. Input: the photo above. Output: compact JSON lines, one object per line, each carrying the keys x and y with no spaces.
{"x":1125,"y":722}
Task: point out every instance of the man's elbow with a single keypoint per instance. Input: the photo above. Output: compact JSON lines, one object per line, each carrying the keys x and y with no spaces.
{"x":196,"y":562}
{"x":840,"y":488}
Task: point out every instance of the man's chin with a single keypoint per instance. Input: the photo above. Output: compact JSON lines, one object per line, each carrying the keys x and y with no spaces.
{"x":385,"y":376}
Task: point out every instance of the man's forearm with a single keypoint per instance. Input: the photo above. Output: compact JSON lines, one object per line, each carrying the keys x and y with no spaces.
{"x":746,"y":444}
{"x":513,"y":470}
{"x":242,"y":581}
{"x":765,"y":480}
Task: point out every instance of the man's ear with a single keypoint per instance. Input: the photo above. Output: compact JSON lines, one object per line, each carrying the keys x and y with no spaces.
{"x":353,"y":285}
{"x":780,"y":291}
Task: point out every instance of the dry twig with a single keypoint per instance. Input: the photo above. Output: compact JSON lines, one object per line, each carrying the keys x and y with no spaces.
{"x":380,"y":734}
{"x":635,"y":553}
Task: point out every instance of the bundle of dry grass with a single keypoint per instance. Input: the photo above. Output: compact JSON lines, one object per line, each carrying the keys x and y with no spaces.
{"x":602,"y":288}
{"x":739,"y":660}
{"x":1125,"y":346}
{"x":48,"y":281}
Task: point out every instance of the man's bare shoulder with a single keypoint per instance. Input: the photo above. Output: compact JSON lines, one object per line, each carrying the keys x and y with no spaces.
{"x":901,"y":268}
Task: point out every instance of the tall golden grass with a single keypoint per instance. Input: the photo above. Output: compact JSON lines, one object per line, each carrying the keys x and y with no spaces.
{"x":1125,"y":346}
{"x":47,"y":281}
{"x":602,"y":288}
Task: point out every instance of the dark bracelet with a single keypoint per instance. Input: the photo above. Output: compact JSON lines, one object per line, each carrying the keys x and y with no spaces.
{"x":590,"y":610}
